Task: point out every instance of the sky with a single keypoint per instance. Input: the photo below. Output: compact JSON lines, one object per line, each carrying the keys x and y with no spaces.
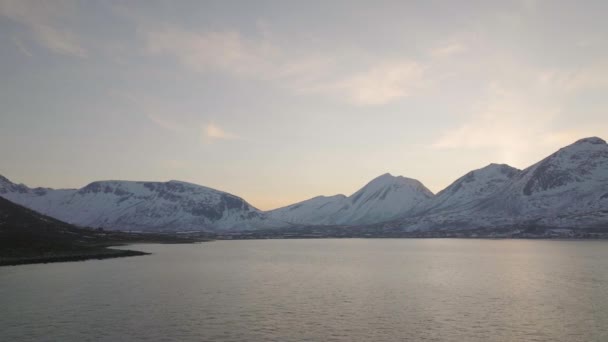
{"x":281,"y":101}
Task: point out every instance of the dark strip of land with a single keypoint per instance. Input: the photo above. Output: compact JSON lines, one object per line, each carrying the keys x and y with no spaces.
{"x":28,"y":237}
{"x":378,"y":231}
{"x":28,"y":246}
{"x":105,"y":253}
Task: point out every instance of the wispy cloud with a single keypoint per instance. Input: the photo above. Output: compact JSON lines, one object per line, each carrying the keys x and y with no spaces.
{"x":21,"y":46}
{"x":166,"y":118}
{"x":507,"y":122}
{"x":372,"y":83}
{"x":378,"y":85}
{"x":154,"y":110}
{"x":449,"y":49}
{"x":44,"y":21}
{"x":500,"y":119}
{"x":520,"y":104}
{"x":225,"y":51}
{"x":165,"y":122}
{"x":568,"y":81}
{"x":213,"y":132}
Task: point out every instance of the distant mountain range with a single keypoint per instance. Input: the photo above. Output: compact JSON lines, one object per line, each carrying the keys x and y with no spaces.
{"x":567,"y":189}
{"x":384,"y":198}
{"x":141,"y":206}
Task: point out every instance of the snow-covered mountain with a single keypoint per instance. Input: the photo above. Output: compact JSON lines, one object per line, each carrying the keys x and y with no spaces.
{"x":319,"y":210}
{"x":468,"y":191}
{"x":127,"y":205}
{"x":572,"y":182}
{"x":567,"y":189}
{"x":384,"y":198}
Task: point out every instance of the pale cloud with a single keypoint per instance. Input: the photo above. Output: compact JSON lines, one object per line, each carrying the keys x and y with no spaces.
{"x":154,"y":110}
{"x":60,"y":41}
{"x":225,"y":51}
{"x":516,"y":132}
{"x":160,"y":115}
{"x":379,"y":85}
{"x":568,"y":81}
{"x":22,"y":48}
{"x":507,"y":123}
{"x":212,"y":132}
{"x":448,"y":50}
{"x":372,"y":83}
{"x":164,"y":122}
{"x":43,"y":20}
{"x":520,"y":114}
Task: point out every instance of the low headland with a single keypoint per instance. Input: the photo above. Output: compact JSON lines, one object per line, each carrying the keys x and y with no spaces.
{"x":28,"y":237}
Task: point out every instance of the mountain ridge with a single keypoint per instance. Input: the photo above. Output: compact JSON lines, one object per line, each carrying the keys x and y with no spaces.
{"x":563,"y":189}
{"x":382,"y":198}
{"x":567,"y":188}
{"x":139,"y":205}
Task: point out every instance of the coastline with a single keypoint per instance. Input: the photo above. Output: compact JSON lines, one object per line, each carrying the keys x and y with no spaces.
{"x":110,"y":253}
{"x":96,"y":254}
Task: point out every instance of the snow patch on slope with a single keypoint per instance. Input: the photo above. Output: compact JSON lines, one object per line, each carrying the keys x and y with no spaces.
{"x":385,"y":197}
{"x":563,"y":190}
{"x":128,"y":205}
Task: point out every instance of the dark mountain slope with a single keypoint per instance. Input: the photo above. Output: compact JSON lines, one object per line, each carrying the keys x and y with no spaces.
{"x":29,"y":237}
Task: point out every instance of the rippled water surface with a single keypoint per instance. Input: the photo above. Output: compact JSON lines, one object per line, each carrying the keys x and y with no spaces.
{"x":317,"y":290}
